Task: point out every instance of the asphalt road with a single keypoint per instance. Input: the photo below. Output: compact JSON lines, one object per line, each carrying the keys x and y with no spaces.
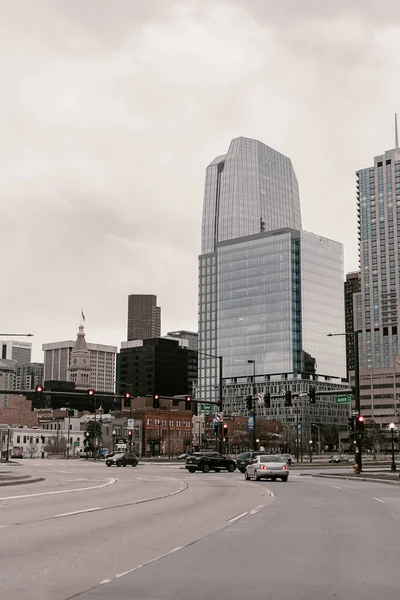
{"x":157,"y":533}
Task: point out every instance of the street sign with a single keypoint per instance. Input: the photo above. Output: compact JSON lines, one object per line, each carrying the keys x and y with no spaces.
{"x":76,"y":443}
{"x":130,"y":423}
{"x":342,"y":399}
{"x":260,"y":398}
{"x":250,"y":422}
{"x":219,"y":417}
{"x":206,"y":408}
{"x":298,"y":428}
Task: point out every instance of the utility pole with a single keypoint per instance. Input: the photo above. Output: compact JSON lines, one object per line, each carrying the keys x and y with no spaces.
{"x":253,"y":362}
{"x":358,"y":454}
{"x":8,"y":445}
{"x":220,"y":401}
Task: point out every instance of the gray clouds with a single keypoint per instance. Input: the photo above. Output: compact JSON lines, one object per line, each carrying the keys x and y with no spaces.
{"x":110,"y":111}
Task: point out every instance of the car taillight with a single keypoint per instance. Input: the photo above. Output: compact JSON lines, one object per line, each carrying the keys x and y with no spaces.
{"x":285,"y":467}
{"x":263,"y":467}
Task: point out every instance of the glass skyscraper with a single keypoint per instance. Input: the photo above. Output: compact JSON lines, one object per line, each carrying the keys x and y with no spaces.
{"x":377,"y":304}
{"x":268,"y":291}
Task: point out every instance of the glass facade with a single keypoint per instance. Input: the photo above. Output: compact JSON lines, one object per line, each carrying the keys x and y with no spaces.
{"x":249,"y":190}
{"x":322,"y":303}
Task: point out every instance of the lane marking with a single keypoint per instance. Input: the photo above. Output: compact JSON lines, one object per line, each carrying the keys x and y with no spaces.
{"x":255,"y":510}
{"x":379,"y":500}
{"x":336,"y":487}
{"x":93,"y":487}
{"x":119,"y":575}
{"x":77,"y":512}
{"x":243,"y":514}
{"x":105,"y":581}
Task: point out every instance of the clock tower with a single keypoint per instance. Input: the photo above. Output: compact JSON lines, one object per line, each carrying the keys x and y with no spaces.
{"x":79,"y":369}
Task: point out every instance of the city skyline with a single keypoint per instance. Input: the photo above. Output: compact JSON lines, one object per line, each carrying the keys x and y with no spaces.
{"x":104,"y":219}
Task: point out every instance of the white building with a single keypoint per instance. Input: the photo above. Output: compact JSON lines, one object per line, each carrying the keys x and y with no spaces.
{"x":57,"y":360}
{"x":18,"y":351}
{"x":31,"y":442}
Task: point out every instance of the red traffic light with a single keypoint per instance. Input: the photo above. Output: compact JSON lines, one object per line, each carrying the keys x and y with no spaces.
{"x":188,"y":398}
{"x":39,"y":389}
{"x":130,"y":433}
{"x":225,"y":426}
{"x":361,"y":419}
{"x":90,"y":392}
{"x":156,"y":397}
{"x":127,"y":395}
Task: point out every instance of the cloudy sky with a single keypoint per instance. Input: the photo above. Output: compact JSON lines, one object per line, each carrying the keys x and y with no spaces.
{"x":111,"y":110}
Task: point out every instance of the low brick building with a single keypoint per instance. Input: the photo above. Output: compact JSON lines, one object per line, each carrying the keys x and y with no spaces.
{"x":239,"y":438}
{"x":17,"y":410}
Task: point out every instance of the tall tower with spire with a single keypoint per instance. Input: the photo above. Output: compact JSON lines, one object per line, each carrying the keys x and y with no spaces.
{"x":79,"y":369}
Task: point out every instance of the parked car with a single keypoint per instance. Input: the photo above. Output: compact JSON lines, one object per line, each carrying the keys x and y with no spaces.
{"x":287,"y":457}
{"x":184,"y":456}
{"x":267,"y":466}
{"x":122,"y":459}
{"x":209,"y":461}
{"x":339,"y":458}
{"x":244,"y":459}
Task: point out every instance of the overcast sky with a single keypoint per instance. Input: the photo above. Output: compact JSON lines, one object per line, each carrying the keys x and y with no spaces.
{"x":111,"y":110}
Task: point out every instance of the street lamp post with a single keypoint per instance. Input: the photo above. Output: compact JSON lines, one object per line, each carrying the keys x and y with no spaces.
{"x":114,"y":433}
{"x":253,"y":362}
{"x":319,"y":436}
{"x":86,"y":444}
{"x":68,"y":405}
{"x":358,"y":451}
{"x":392,"y":427}
{"x":310,"y":448}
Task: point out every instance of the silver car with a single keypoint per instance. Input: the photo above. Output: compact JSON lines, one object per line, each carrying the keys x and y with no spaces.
{"x":267,"y":466}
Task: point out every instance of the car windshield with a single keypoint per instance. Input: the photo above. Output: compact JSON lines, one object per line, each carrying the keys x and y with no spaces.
{"x":269,"y":458}
{"x":121,"y":455}
{"x":244,"y":455}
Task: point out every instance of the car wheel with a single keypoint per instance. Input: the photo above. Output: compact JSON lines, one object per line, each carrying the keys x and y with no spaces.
{"x":192,"y":470}
{"x":284,"y":479}
{"x":124,"y":465}
{"x":256,"y":477}
{"x":119,"y":463}
{"x":231,"y":467}
{"x":108,"y":465}
{"x":206,"y":468}
{"x":134,"y":464}
{"x":242,"y":470}
{"x":246,"y":476}
{"x":273,"y":478}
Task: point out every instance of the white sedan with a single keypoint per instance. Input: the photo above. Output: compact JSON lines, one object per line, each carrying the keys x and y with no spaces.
{"x":267,"y":466}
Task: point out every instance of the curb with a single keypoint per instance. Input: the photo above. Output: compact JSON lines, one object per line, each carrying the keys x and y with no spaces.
{"x":21,"y":481}
{"x":365,"y":479}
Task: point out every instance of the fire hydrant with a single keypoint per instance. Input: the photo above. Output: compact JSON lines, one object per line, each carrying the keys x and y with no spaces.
{"x":356,"y":469}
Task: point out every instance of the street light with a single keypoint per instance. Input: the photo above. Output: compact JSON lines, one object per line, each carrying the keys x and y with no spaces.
{"x":310,"y":446}
{"x":114,"y":433}
{"x":392,"y":427}
{"x":253,"y":362}
{"x":258,"y":443}
{"x":358,"y":452}
{"x":319,"y":436}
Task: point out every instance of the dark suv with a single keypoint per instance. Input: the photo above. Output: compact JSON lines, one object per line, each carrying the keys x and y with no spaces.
{"x":244,"y":459}
{"x":209,"y":461}
{"x":121,"y":459}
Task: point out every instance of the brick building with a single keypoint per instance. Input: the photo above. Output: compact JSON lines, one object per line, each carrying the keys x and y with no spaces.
{"x":17,"y":410}
{"x":165,"y":431}
{"x":239,"y":437}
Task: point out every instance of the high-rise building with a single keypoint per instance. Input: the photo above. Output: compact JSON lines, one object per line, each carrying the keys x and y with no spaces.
{"x":352,"y":286}
{"x":378,"y":302}
{"x":7,"y":379}
{"x":192,"y":337}
{"x":144,"y":317}
{"x":18,"y":351}
{"x":28,"y":376}
{"x":57,"y":360}
{"x":159,"y":365}
{"x":269,"y":293}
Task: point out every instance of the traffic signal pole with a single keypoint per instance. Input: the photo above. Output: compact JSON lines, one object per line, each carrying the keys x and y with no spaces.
{"x":220,"y":400}
{"x":358,"y":453}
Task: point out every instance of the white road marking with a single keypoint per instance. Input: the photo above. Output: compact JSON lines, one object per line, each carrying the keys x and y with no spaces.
{"x":148,"y":562}
{"x":105,"y":581}
{"x":379,"y":500}
{"x":243,"y":514}
{"x":85,"y":489}
{"x":78,"y":512}
{"x":68,"y":472}
{"x":336,"y":487}
{"x":255,"y":510}
{"x":2,"y":526}
{"x":271,"y":494}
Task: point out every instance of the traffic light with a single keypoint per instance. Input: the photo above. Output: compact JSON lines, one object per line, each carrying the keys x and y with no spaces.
{"x":288,"y":398}
{"x":360,"y":423}
{"x":90,"y":393}
{"x":188,"y":402}
{"x":156,"y":401}
{"x":249,"y":402}
{"x":311,"y":395}
{"x":225,"y":431}
{"x":127,"y":400}
{"x":130,"y":434}
{"x":38,"y":396}
{"x":39,"y":389}
{"x":267,"y":400}
{"x":350,"y":424}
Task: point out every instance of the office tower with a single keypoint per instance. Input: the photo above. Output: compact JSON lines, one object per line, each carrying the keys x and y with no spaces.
{"x":160,"y":365}
{"x":191,"y":337}
{"x":144,"y":317}
{"x":28,"y":376}
{"x":269,"y":293}
{"x":352,"y":286}
{"x":57,"y":359}
{"x":377,"y":304}
{"x":18,"y":351}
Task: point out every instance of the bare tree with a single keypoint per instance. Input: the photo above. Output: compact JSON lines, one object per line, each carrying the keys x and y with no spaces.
{"x":56,"y":445}
{"x":31,"y":449}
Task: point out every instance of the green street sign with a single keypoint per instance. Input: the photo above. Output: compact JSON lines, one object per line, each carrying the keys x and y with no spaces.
{"x":342,"y":399}
{"x":207,"y":408}
{"x":76,"y":443}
